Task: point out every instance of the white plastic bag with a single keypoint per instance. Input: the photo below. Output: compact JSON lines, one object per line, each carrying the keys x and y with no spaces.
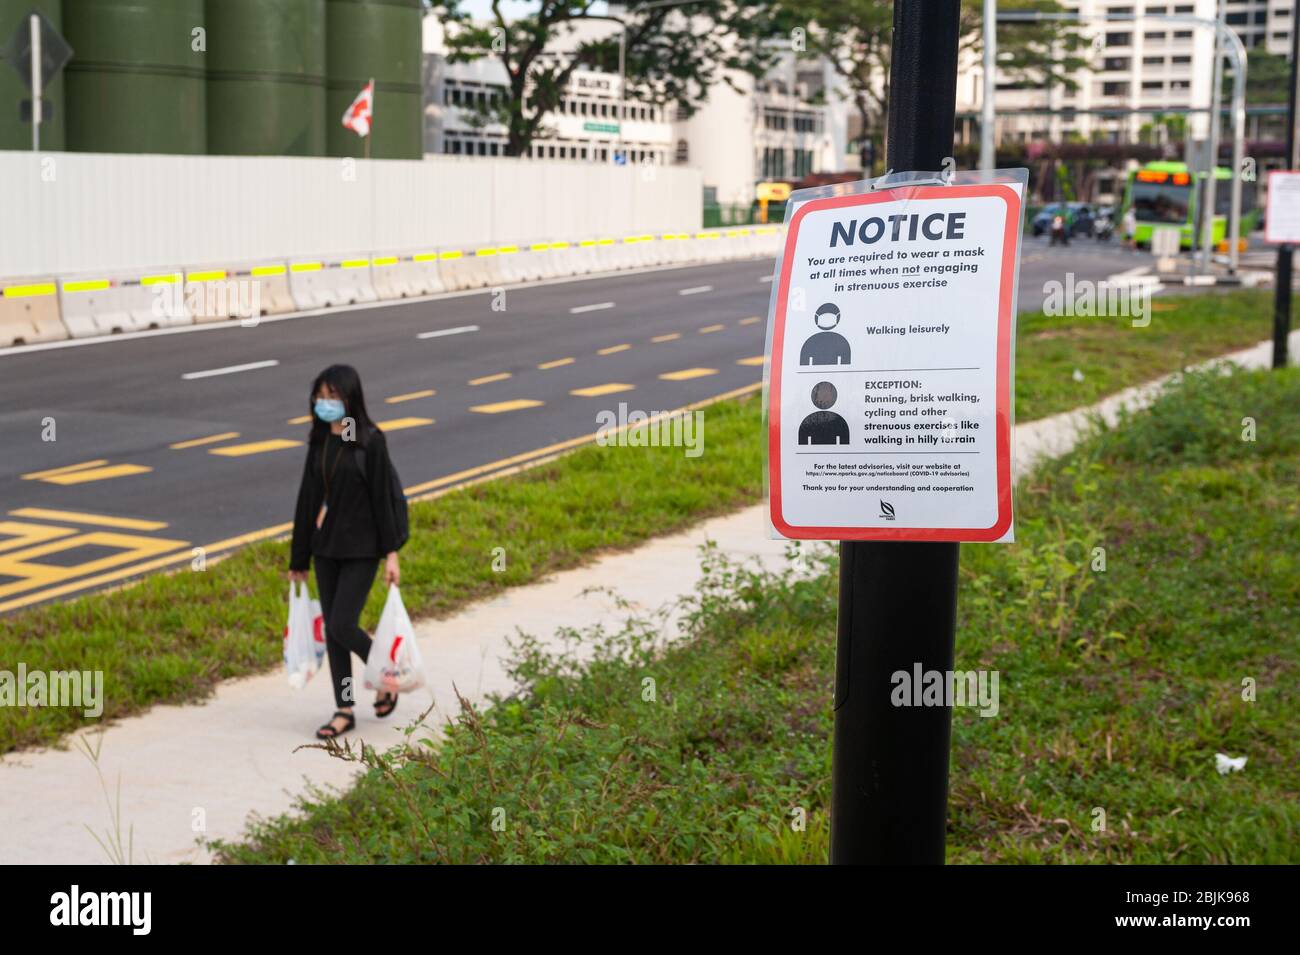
{"x":394,"y":664}
{"x":301,"y":656}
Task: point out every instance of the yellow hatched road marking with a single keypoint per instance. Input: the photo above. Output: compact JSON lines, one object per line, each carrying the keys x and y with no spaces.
{"x":595,"y":391}
{"x":27,"y":535}
{"x":256,"y":447}
{"x":31,"y":574}
{"x":708,"y":329}
{"x":66,"y":469}
{"x":397,"y":424}
{"x":500,"y":406}
{"x":666,"y":338}
{"x":197,"y":442}
{"x":81,"y":517}
{"x":756,"y":360}
{"x":546,"y":365}
{"x":410,"y":396}
{"x":301,"y":419}
{"x":612,"y":349}
{"x":688,"y":373}
{"x":487,"y":379}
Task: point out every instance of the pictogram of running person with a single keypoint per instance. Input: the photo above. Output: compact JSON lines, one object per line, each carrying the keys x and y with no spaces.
{"x":826,"y":347}
{"x":823,"y":427}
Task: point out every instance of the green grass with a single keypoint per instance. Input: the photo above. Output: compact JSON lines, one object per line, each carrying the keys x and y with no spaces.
{"x":1112,"y":354}
{"x":1117,"y":687}
{"x":172,"y":637}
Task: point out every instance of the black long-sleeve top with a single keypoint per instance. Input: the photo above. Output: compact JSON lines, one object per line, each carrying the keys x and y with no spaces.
{"x":359,"y":521}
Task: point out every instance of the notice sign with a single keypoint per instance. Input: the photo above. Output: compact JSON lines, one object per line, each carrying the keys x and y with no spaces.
{"x":1282,"y":214}
{"x":889,"y":396}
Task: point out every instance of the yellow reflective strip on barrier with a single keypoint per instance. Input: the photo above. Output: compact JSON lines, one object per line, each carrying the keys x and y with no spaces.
{"x":559,"y":245}
{"x":481,"y":252}
{"x":508,"y":249}
{"x":604,"y":241}
{"x":269,"y":270}
{"x":305,"y":267}
{"x":386,"y":260}
{"x":586,"y":242}
{"x":209,"y":276}
{"x":168,"y":279}
{"x":89,"y":285}
{"x":540,"y":246}
{"x":425,"y":257}
{"x":356,"y":263}
{"x":449,"y":255}
{"x":23,"y":291}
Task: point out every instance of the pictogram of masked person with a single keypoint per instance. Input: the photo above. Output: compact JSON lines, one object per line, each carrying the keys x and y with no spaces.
{"x":824,"y":427}
{"x":826,"y":347}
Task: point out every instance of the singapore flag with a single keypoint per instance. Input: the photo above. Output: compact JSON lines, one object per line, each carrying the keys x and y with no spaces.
{"x":357,"y":118}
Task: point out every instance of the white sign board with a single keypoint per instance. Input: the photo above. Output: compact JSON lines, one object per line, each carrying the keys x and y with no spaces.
{"x":1282,"y":214}
{"x":889,"y":396}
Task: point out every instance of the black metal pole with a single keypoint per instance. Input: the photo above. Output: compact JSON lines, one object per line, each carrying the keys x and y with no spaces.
{"x":898,"y":601}
{"x":1282,"y":276}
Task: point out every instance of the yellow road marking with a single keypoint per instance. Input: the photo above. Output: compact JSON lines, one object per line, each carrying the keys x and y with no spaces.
{"x":196,"y":442}
{"x":31,"y":574}
{"x":301,"y":419}
{"x":500,"y":406}
{"x":544,"y":366}
{"x":751,"y":320}
{"x":397,"y":424}
{"x":256,"y":447}
{"x":429,"y":489}
{"x":66,"y":469}
{"x":86,"y":475}
{"x":411,"y":396}
{"x":667,"y":338}
{"x":81,"y":517}
{"x":707,"y":329}
{"x":27,"y":535}
{"x":756,"y":360}
{"x":612,"y":349}
{"x":687,"y":373}
{"x":595,"y":391}
{"x":489,"y":378}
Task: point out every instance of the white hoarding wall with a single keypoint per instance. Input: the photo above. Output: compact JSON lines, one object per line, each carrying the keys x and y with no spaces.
{"x":70,"y":213}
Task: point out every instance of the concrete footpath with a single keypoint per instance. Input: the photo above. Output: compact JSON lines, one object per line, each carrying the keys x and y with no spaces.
{"x":215,"y":762}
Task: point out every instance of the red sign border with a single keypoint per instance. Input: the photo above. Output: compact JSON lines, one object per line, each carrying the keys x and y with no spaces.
{"x":1003,"y":415}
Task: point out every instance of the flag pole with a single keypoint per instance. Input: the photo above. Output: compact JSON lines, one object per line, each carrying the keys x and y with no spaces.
{"x":371,"y":131}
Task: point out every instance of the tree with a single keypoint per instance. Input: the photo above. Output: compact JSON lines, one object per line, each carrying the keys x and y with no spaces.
{"x":854,"y":36}
{"x":670,"y":58}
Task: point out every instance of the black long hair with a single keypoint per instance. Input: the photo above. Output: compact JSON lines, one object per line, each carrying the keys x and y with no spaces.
{"x":346,"y":383}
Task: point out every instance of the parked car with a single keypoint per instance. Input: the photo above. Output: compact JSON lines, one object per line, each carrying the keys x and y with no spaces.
{"x":1043,"y":221}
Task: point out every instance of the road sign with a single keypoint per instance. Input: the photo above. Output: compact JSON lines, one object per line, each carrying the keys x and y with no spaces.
{"x":889,"y":402}
{"x":773,"y":191}
{"x":1282,"y":212}
{"x":54,"y":50}
{"x":25,"y":111}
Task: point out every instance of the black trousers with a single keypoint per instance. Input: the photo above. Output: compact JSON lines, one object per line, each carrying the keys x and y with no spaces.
{"x":344,"y":586}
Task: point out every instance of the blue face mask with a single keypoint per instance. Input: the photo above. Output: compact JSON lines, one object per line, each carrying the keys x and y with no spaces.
{"x":329,"y":409}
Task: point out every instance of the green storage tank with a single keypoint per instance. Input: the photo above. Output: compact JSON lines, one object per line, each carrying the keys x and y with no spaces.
{"x":266,"y":77}
{"x":380,"y":39}
{"x":136,"y":82}
{"x":14,"y":133}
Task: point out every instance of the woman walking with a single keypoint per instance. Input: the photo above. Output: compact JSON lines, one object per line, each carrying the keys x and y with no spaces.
{"x":344,"y":521}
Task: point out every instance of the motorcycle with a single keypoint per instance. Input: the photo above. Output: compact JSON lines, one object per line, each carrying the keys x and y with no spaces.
{"x":1103,"y":229}
{"x":1060,"y":235}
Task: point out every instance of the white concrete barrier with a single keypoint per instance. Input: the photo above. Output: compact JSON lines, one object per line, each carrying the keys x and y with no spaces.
{"x":108,"y":306}
{"x":321,"y":284}
{"x":29,"y":312}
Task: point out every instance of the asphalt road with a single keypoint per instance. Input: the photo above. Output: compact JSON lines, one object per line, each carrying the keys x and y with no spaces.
{"x":152,"y":457}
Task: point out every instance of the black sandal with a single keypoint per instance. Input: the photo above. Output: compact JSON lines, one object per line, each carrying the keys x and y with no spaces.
{"x":327,"y":730}
{"x":386,"y":705}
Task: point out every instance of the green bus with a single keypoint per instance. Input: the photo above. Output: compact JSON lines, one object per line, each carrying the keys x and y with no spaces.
{"x":1166,"y":194}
